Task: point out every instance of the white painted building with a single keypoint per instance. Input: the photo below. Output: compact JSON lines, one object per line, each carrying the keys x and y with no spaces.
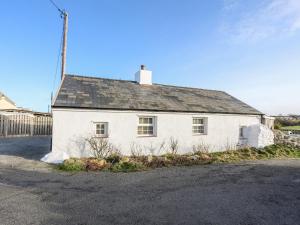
{"x":140,"y":114}
{"x":6,"y":103}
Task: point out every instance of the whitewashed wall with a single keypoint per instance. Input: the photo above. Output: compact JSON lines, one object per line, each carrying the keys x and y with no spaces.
{"x":71,"y":126}
{"x":4,"y":104}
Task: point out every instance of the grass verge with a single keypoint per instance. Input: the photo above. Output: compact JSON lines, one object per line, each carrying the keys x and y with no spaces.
{"x":133,"y":164}
{"x":290,"y":128}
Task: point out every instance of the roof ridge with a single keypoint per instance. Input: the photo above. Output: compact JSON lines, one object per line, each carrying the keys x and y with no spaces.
{"x":98,"y":78}
{"x":132,"y":81}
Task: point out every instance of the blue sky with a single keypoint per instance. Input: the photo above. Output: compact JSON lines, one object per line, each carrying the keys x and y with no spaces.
{"x":249,"y":49}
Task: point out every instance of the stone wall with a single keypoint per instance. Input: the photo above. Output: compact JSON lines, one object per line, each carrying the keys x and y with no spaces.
{"x":283,"y":138}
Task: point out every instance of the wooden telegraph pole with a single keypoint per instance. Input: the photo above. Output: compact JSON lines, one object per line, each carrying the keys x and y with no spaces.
{"x":64,"y":15}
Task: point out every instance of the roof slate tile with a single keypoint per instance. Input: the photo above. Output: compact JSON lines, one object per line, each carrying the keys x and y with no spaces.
{"x":99,"y":93}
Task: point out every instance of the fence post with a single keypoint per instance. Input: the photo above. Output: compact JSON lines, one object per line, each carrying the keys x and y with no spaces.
{"x":31,"y":126}
{"x":5,"y":120}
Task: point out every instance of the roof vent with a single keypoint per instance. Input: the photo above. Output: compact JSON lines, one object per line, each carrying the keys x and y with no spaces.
{"x":143,"y":76}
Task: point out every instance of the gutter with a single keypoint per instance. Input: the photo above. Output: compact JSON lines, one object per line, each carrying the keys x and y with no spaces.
{"x":155,"y":110}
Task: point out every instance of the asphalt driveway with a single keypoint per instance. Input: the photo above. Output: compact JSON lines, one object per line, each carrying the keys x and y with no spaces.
{"x":264,"y":192}
{"x":26,"y":147}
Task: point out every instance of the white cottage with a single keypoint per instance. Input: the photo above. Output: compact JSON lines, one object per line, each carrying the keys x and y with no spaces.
{"x":141,"y":113}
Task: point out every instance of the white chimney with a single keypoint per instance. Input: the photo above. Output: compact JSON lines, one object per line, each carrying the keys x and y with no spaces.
{"x":143,"y":76}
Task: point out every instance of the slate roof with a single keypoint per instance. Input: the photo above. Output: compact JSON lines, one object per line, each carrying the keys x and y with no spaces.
{"x":99,"y":93}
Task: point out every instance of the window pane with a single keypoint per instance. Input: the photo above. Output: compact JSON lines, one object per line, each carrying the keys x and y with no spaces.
{"x":101,"y":129}
{"x":145,"y":120}
{"x":198,"y":129}
{"x":198,"y":121}
{"x":145,"y":130}
{"x":140,"y":130}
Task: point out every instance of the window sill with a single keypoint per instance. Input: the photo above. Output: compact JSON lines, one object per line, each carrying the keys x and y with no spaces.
{"x":143,"y":136}
{"x":198,"y":134}
{"x":101,"y":136}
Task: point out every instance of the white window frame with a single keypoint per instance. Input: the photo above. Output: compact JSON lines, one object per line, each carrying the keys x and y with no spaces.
{"x":105,"y":129}
{"x":146,"y":125}
{"x":198,"y":125}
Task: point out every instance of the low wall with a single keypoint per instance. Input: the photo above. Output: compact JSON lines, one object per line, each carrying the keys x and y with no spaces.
{"x":282,"y":138}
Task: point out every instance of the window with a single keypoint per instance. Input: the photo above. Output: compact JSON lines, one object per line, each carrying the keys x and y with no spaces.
{"x":146,"y":126}
{"x":199,"y":125}
{"x":101,"y":129}
{"x":242,"y":132}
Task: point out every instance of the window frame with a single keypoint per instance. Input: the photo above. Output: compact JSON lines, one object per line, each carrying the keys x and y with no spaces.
{"x":105,"y":134}
{"x":146,"y":125}
{"x":200,"y":126}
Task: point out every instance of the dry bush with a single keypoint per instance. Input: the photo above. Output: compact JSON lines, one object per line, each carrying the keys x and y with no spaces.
{"x":182,"y":161}
{"x":156,"y":162}
{"x":136,"y":150}
{"x":230,"y":146}
{"x":162,"y":147}
{"x":100,"y":147}
{"x":173,"y":144}
{"x":201,"y":148}
{"x":95,"y":164}
{"x":151,"y":149}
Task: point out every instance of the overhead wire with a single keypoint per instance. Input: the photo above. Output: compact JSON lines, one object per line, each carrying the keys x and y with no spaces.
{"x":56,"y":6}
{"x":62,"y":12}
{"x":57,"y":62}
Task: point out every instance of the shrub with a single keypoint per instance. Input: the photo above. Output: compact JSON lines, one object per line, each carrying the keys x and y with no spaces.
{"x":127,"y":167}
{"x":156,"y":162}
{"x":201,"y":148}
{"x":181,"y":160}
{"x":268,"y":152}
{"x":95,"y":164}
{"x":169,"y":156}
{"x":72,"y":164}
{"x":136,"y":150}
{"x":277,"y":126}
{"x":115,"y":163}
{"x":114,"y":158}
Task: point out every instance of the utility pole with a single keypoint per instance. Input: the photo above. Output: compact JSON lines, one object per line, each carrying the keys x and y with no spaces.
{"x":64,"y":15}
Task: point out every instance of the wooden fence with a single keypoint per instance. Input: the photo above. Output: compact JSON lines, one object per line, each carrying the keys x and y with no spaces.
{"x":24,"y":124}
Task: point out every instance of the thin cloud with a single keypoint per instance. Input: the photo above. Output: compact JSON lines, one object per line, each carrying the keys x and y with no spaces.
{"x":244,"y":21}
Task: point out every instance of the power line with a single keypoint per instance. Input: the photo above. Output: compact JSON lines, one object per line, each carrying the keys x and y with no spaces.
{"x":57,"y":62}
{"x":62,"y":12}
{"x":56,"y":6}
